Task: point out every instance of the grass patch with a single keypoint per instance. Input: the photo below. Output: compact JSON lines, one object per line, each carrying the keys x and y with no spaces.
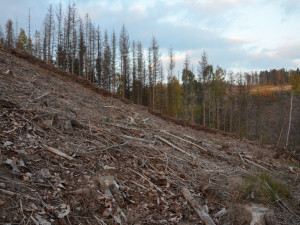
{"x":133,"y":125}
{"x":295,"y":164}
{"x":265,"y":185}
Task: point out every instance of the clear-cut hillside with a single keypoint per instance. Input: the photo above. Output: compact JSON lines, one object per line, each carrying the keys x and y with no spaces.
{"x":72,"y":154}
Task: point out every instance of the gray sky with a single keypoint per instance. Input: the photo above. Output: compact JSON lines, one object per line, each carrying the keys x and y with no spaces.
{"x":238,"y":35}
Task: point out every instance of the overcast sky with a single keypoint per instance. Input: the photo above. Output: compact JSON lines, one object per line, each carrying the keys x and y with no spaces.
{"x":238,"y":35}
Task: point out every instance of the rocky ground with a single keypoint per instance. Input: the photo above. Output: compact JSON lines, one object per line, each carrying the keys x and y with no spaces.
{"x":70,"y":153}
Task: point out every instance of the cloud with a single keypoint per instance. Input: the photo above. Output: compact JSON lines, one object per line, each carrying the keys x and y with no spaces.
{"x":140,"y":9}
{"x":214,"y":5}
{"x":239,"y":40}
{"x":287,"y":51}
{"x":236,"y":34}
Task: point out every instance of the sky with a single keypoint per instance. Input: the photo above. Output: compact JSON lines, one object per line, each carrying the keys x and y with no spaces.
{"x":238,"y":35}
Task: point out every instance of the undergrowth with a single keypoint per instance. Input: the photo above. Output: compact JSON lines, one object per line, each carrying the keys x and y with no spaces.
{"x":265,"y":185}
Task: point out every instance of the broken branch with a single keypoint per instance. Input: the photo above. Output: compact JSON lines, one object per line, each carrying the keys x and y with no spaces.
{"x":177,"y":148}
{"x":257,"y":165}
{"x":138,"y":139}
{"x":57,"y":152}
{"x":179,"y":138}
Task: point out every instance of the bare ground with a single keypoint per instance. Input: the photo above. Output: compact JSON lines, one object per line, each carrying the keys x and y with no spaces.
{"x":106,"y":139}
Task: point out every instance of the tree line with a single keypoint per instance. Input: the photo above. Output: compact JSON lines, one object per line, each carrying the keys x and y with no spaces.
{"x":203,"y":94}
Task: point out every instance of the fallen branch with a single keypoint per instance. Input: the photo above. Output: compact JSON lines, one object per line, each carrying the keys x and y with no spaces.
{"x":10,"y":193}
{"x":57,"y":152}
{"x":204,"y":217}
{"x":265,"y":163}
{"x":280,"y":202}
{"x":179,"y":138}
{"x":192,"y":138}
{"x":119,"y":126}
{"x":42,"y":96}
{"x":138,"y":139}
{"x":242,"y":158}
{"x":146,"y":179}
{"x":177,"y":148}
{"x":257,"y":165}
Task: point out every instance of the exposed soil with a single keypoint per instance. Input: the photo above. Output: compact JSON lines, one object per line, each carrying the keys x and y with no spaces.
{"x":107,"y":139}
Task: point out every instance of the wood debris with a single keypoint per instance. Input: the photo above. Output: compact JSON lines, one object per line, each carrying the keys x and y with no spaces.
{"x":70,"y":155}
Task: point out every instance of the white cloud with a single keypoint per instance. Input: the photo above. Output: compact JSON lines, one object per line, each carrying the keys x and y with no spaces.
{"x":140,"y":9}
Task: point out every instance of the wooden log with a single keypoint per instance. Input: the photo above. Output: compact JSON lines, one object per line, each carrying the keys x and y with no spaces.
{"x":204,"y":217}
{"x":179,"y":138}
{"x":57,"y":152}
{"x":177,"y":148}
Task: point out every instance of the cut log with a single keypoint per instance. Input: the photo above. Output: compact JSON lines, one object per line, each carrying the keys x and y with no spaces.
{"x":57,"y":152}
{"x":204,"y":217}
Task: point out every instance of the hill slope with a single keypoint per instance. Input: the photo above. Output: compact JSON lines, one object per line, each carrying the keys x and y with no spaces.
{"x":72,"y":154}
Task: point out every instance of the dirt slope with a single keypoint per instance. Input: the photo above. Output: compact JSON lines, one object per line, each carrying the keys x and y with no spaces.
{"x":111,"y":146}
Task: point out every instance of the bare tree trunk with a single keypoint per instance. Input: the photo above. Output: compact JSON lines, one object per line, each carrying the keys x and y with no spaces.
{"x":290,"y":119}
{"x":224,"y":117}
{"x":231,"y":111}
{"x":209,"y":107}
{"x":204,"y":107}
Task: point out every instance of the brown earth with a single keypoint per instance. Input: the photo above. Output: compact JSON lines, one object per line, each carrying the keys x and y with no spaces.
{"x":111,"y":144}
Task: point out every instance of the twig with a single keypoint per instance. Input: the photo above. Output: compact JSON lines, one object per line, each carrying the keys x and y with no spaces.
{"x":42,"y":96}
{"x":105,"y":149}
{"x":115,"y":125}
{"x":146,"y":179}
{"x":57,"y":152}
{"x":34,"y":220}
{"x":90,"y":128}
{"x":167,"y":161}
{"x":279,"y":201}
{"x":205,"y":218}
{"x":139,"y":185}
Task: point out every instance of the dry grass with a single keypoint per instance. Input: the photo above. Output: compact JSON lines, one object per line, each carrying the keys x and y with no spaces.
{"x":268,"y":90}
